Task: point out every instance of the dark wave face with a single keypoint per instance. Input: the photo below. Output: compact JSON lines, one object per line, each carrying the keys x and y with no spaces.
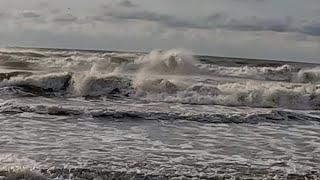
{"x":159,"y":115}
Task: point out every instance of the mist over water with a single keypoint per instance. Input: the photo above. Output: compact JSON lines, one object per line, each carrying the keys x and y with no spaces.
{"x":166,"y":114}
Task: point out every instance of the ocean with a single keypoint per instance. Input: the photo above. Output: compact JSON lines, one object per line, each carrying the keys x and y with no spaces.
{"x":75,"y":114}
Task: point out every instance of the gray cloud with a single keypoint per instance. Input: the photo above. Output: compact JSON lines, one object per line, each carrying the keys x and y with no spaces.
{"x":312,"y":29}
{"x":55,"y":11}
{"x":257,"y":24}
{"x":3,"y":14}
{"x":29,"y":14}
{"x":44,"y":4}
{"x":127,"y":3}
{"x":122,"y":11}
{"x":20,"y":15}
{"x":217,"y":17}
{"x":137,"y":15}
{"x":65,"y":19}
{"x":127,"y":11}
{"x":287,"y":24}
{"x":249,"y":1}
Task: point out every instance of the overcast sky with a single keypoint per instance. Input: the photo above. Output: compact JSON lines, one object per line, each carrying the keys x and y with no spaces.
{"x":273,"y":29}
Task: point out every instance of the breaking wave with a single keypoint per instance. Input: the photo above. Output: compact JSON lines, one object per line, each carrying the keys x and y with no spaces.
{"x":169,"y":62}
{"x":38,"y":84}
{"x":251,"y":94}
{"x":285,"y":73}
{"x":170,"y":76}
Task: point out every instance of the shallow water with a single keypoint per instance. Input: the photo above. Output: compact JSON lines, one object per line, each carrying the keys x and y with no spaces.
{"x":159,"y":147}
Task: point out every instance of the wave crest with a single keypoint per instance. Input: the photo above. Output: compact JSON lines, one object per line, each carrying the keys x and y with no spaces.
{"x":175,"y":61}
{"x":250,"y":94}
{"x":53,"y":82}
{"x":102,"y":86}
{"x":309,"y":75}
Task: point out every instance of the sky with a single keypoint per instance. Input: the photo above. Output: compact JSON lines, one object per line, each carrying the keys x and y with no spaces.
{"x":268,"y":29}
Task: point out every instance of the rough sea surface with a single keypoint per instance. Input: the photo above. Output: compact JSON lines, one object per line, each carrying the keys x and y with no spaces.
{"x":71,"y":114}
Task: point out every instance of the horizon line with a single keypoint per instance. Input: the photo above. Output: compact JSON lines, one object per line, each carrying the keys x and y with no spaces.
{"x":146,"y":52}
